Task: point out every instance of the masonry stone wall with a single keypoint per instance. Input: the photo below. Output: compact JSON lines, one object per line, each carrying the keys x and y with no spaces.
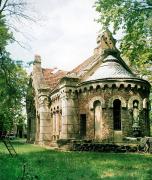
{"x":91,"y":90}
{"x":124,"y":94}
{"x":60,"y":118}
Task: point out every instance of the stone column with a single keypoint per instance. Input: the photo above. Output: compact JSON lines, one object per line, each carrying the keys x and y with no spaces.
{"x":45,"y":121}
{"x":69,"y":116}
{"x":64,"y":118}
{"x":54,"y":125}
{"x":69,"y":107}
{"x":57,"y":124}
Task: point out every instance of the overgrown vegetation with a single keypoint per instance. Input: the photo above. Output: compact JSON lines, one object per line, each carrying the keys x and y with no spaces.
{"x":45,"y":164}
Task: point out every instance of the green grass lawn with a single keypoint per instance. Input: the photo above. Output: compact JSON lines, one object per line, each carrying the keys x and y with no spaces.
{"x":44,"y":164}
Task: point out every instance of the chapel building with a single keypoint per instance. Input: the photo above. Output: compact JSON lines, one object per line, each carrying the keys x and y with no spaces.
{"x":100,"y":100}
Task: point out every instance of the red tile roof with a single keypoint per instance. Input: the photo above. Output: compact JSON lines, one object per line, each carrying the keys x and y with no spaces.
{"x":82,"y":66}
{"x":52,"y":78}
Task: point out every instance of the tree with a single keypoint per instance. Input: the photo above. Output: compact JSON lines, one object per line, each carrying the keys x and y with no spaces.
{"x":13,"y":84}
{"x":13,"y":77}
{"x":5,"y":36}
{"x":134,"y":18}
{"x":14,"y":12}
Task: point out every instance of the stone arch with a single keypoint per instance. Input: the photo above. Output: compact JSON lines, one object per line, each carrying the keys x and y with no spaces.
{"x":133,"y":98}
{"x":111,"y":100}
{"x":105,"y":86}
{"x":80,"y":91}
{"x":129,"y":86}
{"x":76,"y":92}
{"x":98,"y":87}
{"x":70,"y":91}
{"x":114,"y":86}
{"x":85,"y":89}
{"x":97,"y":98}
{"x":121,"y":86}
{"x":91,"y":88}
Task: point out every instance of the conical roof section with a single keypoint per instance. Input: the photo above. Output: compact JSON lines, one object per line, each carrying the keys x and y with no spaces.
{"x":111,"y":68}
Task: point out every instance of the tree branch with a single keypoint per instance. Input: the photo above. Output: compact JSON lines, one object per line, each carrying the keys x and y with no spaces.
{"x":4,"y":6}
{"x":0,"y":3}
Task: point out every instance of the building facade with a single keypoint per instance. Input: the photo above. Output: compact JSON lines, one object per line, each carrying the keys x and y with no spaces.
{"x":100,"y":100}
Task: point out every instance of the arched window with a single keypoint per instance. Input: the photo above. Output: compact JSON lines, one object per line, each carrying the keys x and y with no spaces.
{"x":117,"y":114}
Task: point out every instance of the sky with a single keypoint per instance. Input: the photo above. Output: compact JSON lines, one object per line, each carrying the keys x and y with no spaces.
{"x":64,"y":35}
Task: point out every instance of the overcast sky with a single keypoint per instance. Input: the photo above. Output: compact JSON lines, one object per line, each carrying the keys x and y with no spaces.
{"x":64,"y":36}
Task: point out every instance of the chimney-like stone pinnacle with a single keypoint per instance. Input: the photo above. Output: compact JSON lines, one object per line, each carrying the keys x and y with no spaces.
{"x":37,"y":59}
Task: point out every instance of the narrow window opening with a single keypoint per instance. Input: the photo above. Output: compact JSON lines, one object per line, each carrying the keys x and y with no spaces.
{"x":82,"y":125}
{"x":135,"y":104}
{"x":117,"y":114}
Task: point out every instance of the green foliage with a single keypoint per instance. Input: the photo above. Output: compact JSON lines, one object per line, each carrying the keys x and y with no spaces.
{"x":56,"y":165}
{"x":13,"y":78}
{"x":5,"y":35}
{"x":134,"y":18}
{"x":13,"y":85}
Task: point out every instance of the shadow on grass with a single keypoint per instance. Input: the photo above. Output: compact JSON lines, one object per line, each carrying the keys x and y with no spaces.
{"x":19,"y":141}
{"x":45,"y":165}
{"x":53,"y":165}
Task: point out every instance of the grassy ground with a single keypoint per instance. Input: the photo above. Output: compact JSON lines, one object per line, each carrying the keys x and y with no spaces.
{"x":44,"y":164}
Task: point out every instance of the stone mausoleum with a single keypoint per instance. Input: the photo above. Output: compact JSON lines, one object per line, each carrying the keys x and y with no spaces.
{"x":100,"y":100}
